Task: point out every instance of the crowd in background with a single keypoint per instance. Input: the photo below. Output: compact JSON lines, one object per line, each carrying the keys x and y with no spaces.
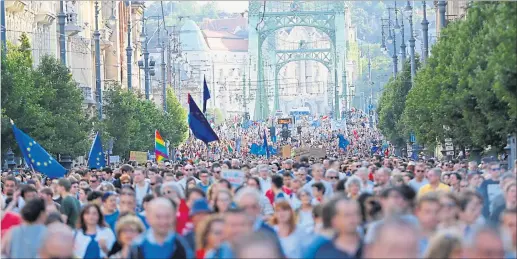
{"x":349,"y":204}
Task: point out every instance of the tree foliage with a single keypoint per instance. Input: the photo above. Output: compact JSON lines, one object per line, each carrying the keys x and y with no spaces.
{"x":131,"y":121}
{"x":468,"y":89}
{"x":44,"y":102}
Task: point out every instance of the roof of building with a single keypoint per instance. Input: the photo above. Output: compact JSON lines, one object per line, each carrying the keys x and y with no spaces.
{"x":225,"y":24}
{"x":191,"y":37}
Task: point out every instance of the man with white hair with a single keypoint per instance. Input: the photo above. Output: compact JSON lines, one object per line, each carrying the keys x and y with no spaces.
{"x":58,"y":242}
{"x":265,"y":179}
{"x":367,"y":184}
{"x":248,"y":199}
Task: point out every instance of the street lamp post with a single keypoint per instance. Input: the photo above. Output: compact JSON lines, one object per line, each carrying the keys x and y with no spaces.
{"x":129,"y":50}
{"x":409,"y":12}
{"x":425,"y":32}
{"x":395,"y":59}
{"x":62,"y":43}
{"x":96,"y":36}
{"x":441,"y":7}
{"x":164,"y":83}
{"x":144,"y":40}
{"x":400,"y":28}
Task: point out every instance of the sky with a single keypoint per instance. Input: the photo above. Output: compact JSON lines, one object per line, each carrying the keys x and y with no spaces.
{"x":230,"y":6}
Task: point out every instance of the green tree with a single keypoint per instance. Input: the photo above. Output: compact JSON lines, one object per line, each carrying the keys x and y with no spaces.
{"x":68,"y":125}
{"x":467,"y":90}
{"x":175,"y":128}
{"x":44,"y":102}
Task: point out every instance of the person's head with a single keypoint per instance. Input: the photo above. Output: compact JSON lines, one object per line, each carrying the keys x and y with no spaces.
{"x":127,"y":201}
{"x":277,"y":182}
{"x":450,"y":207}
{"x":83,"y":184}
{"x":296,"y":185}
{"x":471,"y":204}
{"x":46,"y":194}
{"x":58,"y":242}
{"x":382,"y":176}
{"x":284,"y":215}
{"x":394,"y":238}
{"x":155,"y":180}
{"x":345,"y":215}
{"x":485,"y":241}
{"x":392,"y":201}
{"x":127,"y":228}
{"x":63,"y":186}
{"x":34,"y":211}
{"x":263,"y":171}
{"x":107,"y":174}
{"x":224,"y":184}
{"x":90,"y":217}
{"x":444,"y":245}
{"x":318,"y":189}
{"x":168,"y":177}
{"x":74,"y":189}
{"x":260,"y":244}
{"x":249,"y":199}
{"x":209,"y":234}
{"x":28,"y":192}
{"x":189,"y":170}
{"x":305,"y":197}
{"x":9,"y":186}
{"x":125,"y":180}
{"x":287,"y":177}
{"x":362,"y":173}
{"x":318,"y":172}
{"x":253,"y":182}
{"x":509,"y":223}
{"x":332,"y":176}
{"x":419,"y":171}
{"x":193,"y":195}
{"x":109,"y":202}
{"x":237,"y":223}
{"x":83,"y":194}
{"x":427,"y":209}
{"x":494,"y":169}
{"x":94,"y":181}
{"x":204,"y":176}
{"x":473,"y":166}
{"x":223,"y":200}
{"x":434,"y":175}
{"x":161,"y":215}
{"x":454,"y":179}
{"x":139,"y":175}
{"x":172,"y":190}
{"x":354,"y":185}
{"x":216,"y":170}
{"x":301,"y":174}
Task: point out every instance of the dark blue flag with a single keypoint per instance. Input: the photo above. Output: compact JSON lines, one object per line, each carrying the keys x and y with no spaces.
{"x":265,"y":146}
{"x":206,"y":94}
{"x":37,"y":157}
{"x":198,"y":123}
{"x":343,"y":142}
{"x":96,"y":157}
{"x":375,"y":149}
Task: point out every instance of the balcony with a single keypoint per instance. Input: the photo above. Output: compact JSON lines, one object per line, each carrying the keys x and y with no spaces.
{"x":71,"y":27}
{"x":15,"y":6}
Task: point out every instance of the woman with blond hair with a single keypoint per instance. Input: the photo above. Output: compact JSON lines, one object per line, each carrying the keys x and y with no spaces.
{"x":284,"y":222}
{"x":444,"y":245}
{"x":209,"y":235}
{"x":127,"y":229}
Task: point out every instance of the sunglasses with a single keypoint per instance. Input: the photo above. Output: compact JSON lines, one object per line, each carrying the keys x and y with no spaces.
{"x":93,"y":181}
{"x":125,"y":182}
{"x":333,"y":177}
{"x":191,"y":169}
{"x":167,"y":192}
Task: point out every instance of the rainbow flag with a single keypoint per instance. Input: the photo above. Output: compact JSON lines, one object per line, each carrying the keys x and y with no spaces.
{"x":160,"y":150}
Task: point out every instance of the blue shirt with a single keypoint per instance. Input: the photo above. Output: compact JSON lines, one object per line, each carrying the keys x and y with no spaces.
{"x":111,"y":219}
{"x":323,"y":247}
{"x":203,"y":187}
{"x":151,"y":249}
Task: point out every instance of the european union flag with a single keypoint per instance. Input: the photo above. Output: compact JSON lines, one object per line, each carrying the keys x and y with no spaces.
{"x":206,"y":94}
{"x":36,"y":157}
{"x":265,"y":146}
{"x":96,"y":157}
{"x":375,"y":149}
{"x":343,"y":142}
{"x":198,"y":123}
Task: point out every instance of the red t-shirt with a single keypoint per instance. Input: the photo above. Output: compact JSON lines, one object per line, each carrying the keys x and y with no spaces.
{"x":200,"y":253}
{"x":271,"y":196}
{"x":182,"y":217}
{"x":10,"y":220}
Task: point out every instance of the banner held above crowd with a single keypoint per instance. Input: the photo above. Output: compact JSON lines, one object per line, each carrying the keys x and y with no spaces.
{"x":96,"y":157}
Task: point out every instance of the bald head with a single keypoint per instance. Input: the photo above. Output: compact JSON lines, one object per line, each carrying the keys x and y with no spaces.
{"x":58,"y":242}
{"x":161,"y":215}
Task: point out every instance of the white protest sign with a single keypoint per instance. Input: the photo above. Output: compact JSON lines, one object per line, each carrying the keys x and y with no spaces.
{"x":235,"y":177}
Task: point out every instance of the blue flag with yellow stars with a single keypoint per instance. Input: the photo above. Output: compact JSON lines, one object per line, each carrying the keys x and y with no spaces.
{"x":198,"y":123}
{"x":96,"y":157}
{"x":36,"y":157}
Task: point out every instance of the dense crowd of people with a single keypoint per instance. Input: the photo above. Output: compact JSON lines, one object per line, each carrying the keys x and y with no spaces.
{"x":349,"y":204}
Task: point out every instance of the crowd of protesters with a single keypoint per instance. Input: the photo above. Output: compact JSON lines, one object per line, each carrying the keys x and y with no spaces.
{"x":346,"y":205}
